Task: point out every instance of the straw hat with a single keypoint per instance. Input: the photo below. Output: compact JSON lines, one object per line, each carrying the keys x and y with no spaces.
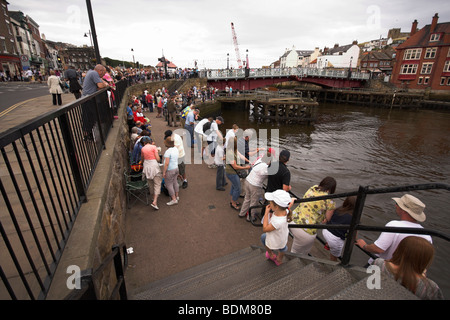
{"x":413,"y":206}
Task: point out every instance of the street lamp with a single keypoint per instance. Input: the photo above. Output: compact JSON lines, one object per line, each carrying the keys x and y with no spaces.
{"x":228,"y":61}
{"x":134,"y":63}
{"x":90,"y":36}
{"x":94,"y":34}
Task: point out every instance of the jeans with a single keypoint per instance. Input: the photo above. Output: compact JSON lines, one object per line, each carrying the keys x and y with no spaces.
{"x":220,"y":177}
{"x":190,"y":142}
{"x":235,"y":190}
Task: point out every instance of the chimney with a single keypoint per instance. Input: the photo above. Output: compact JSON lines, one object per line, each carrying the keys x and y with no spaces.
{"x":336,"y":45}
{"x":413,"y":28}
{"x":434,"y":22}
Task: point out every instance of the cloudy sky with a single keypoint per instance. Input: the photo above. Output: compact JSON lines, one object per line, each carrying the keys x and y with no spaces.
{"x":200,"y":30}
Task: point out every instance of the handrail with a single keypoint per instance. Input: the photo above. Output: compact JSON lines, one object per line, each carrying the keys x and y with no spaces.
{"x":357,"y":213}
{"x":88,"y":288}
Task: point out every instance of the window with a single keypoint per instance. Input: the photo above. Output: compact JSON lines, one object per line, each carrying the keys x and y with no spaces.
{"x":409,"y":69}
{"x":426,"y":68}
{"x":442,"y":81}
{"x":435,"y":37}
{"x":420,"y":81}
{"x":448,"y":81}
{"x":412,"y":54}
{"x":430,"y":53}
{"x":426,"y":80}
{"x":448,"y":53}
{"x":447,"y":66}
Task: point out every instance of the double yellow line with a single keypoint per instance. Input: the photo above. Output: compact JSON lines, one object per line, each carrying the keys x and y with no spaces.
{"x":5,"y":112}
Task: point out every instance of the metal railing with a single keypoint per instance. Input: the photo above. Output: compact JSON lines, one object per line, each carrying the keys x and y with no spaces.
{"x":221,"y":74}
{"x":356,"y":225}
{"x":46,"y":167}
{"x":89,"y":289}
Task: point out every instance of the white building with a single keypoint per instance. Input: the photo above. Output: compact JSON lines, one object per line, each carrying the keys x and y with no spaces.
{"x":298,"y":58}
{"x":340,"y":57}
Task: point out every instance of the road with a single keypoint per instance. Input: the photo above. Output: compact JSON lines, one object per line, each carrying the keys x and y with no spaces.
{"x":12,"y":93}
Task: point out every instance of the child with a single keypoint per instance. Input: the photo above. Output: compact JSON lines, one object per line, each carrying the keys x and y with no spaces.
{"x":275,"y":224}
{"x":219,"y":162}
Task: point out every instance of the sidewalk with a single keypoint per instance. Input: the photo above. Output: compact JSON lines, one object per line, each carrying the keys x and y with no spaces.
{"x":24,"y":111}
{"x":200,"y":228}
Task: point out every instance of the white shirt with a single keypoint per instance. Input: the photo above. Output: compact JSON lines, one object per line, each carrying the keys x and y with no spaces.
{"x":277,"y":239}
{"x":258,"y":174}
{"x":213,"y":134}
{"x":199,"y":127}
{"x":178,"y":144}
{"x":230,"y":133}
{"x":388,"y":241}
{"x":218,"y":156}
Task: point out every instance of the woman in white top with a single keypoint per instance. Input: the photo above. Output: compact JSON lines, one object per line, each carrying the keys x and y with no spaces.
{"x":253,"y":186}
{"x":55,"y":87}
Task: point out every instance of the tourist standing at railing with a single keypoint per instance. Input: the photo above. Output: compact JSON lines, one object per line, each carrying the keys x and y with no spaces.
{"x":74,"y":85}
{"x":408,"y":266}
{"x":231,"y":172}
{"x":410,"y":210}
{"x":312,"y":212}
{"x":54,"y":84}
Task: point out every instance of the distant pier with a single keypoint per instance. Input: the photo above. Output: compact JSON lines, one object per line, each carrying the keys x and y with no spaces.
{"x":276,"y":106}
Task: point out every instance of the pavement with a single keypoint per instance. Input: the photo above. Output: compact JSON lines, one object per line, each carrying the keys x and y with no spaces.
{"x":21,"y":112}
{"x":200,"y":228}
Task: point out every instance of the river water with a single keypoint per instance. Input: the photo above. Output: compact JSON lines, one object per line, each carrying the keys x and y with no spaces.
{"x":376,"y":147}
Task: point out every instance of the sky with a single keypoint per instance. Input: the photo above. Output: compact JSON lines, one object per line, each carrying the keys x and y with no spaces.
{"x":189,"y":31}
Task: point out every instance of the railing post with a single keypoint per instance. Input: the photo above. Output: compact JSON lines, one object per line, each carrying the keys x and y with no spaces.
{"x":356,"y":218}
{"x":72,"y":155}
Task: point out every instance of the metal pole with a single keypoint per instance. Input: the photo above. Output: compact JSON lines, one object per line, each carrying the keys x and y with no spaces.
{"x":94,"y":34}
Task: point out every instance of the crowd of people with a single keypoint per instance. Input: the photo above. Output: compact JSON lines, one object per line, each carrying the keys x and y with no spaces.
{"x":259,"y":176}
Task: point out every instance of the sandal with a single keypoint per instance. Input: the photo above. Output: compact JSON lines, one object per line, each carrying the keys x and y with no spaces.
{"x":275,"y":260}
{"x":235,"y":207}
{"x":270,"y":257}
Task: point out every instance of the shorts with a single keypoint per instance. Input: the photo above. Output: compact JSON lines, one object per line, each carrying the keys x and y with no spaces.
{"x":182,"y":168}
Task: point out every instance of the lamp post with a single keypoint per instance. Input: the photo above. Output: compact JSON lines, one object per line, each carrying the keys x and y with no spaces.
{"x":94,"y":35}
{"x":134,"y":63}
{"x":90,"y":36}
{"x":228,"y":61}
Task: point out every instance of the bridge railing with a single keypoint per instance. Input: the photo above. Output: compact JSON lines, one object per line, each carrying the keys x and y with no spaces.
{"x":222,"y":74}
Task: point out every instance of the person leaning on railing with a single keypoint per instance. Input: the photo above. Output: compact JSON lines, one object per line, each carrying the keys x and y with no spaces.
{"x":410,"y":211}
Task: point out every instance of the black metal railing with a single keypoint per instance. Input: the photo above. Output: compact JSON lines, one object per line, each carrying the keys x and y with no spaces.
{"x":46,"y":167}
{"x":88,"y":278}
{"x":355,"y":224}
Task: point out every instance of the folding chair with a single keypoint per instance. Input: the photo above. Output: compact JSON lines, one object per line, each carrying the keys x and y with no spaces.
{"x":136,"y":188}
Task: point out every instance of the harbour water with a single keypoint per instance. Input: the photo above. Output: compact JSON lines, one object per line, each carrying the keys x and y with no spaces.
{"x":376,"y":147}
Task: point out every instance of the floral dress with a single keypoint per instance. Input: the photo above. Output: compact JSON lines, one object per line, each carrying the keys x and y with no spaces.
{"x":312,"y":212}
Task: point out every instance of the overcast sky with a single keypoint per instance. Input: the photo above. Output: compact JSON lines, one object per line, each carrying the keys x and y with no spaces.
{"x":189,"y":30}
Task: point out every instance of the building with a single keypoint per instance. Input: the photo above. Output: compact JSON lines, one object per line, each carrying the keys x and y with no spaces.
{"x":296,"y":58}
{"x":340,"y":57}
{"x":28,"y":41}
{"x":423,"y":60}
{"x":10,"y":65}
{"x":378,"y":62}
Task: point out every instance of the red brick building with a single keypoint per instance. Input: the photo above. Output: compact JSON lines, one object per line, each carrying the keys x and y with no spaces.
{"x":423,"y":60}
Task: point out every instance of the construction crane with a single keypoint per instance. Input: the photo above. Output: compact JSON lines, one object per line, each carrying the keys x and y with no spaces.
{"x":236,"y":46}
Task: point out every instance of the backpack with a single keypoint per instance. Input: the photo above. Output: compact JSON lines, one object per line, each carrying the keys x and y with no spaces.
{"x":206,"y":126}
{"x":185,"y":112}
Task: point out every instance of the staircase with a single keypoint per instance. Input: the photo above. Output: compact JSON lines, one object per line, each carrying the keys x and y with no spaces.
{"x":248,"y":275}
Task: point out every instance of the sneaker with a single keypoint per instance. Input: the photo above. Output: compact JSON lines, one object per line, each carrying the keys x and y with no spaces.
{"x":172,"y":202}
{"x":154,"y":206}
{"x":185,"y":184}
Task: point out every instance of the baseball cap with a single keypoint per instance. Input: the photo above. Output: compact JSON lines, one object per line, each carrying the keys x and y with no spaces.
{"x":280,"y":197}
